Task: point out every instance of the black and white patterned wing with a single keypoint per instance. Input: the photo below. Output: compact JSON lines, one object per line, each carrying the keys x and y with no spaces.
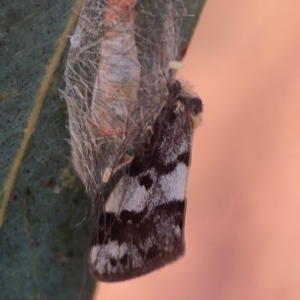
{"x":142,"y":227}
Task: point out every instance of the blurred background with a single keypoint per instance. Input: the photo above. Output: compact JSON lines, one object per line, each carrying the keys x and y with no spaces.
{"x":243,"y":214}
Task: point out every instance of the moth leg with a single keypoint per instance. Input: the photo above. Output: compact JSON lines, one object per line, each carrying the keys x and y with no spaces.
{"x":109,"y":171}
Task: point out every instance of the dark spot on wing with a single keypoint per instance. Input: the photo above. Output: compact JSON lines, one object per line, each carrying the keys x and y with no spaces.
{"x":166,"y":169}
{"x":152,"y":252}
{"x":124,"y":260}
{"x":146,"y":181}
{"x":113,"y":261}
{"x":184,"y":158}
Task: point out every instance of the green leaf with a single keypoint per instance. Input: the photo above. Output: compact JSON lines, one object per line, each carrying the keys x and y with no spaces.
{"x":43,"y":207}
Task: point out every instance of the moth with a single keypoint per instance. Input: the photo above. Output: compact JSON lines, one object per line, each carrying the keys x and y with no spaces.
{"x":120,"y":83}
{"x":142,"y":226}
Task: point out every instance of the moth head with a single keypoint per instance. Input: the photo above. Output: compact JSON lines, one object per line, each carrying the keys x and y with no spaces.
{"x":193,"y":101}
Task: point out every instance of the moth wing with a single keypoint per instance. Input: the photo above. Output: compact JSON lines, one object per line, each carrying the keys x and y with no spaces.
{"x":142,"y":227}
{"x":142,"y":237}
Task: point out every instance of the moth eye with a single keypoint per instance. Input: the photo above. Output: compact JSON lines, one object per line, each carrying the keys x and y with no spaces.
{"x":196,"y":106}
{"x":195,"y":109}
